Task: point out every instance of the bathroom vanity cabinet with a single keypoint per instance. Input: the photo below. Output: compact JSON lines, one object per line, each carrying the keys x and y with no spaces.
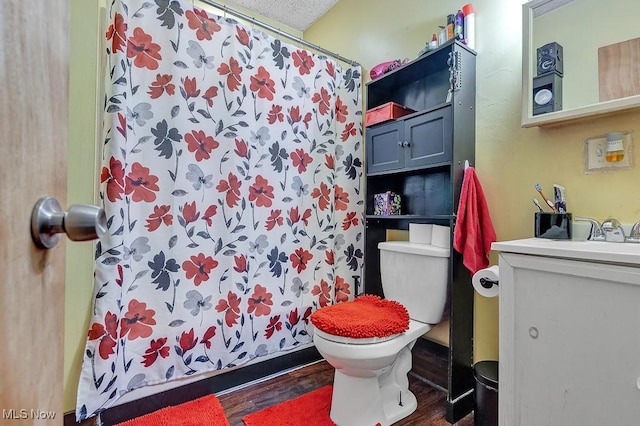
{"x":569,"y":333}
{"x":421,"y":157}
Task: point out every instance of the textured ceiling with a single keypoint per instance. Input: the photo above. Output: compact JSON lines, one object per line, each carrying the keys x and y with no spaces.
{"x":298,"y":14}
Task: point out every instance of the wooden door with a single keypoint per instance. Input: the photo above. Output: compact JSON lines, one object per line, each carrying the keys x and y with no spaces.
{"x":33,"y":132}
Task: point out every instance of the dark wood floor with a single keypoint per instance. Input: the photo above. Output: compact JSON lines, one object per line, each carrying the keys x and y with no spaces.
{"x":428,"y":362}
{"x":431,"y":398}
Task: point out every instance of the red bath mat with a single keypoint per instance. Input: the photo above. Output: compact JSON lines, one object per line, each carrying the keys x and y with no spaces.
{"x":309,"y":409}
{"x":202,"y":411}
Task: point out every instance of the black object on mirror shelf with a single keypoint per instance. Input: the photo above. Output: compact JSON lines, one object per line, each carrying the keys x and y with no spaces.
{"x":547,"y":93}
{"x":549,"y":58}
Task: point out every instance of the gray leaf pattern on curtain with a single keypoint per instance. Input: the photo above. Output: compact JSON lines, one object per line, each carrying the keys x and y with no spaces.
{"x":231,"y":180}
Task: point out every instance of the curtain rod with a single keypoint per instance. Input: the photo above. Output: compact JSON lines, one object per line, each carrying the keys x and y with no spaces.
{"x":278,"y":31}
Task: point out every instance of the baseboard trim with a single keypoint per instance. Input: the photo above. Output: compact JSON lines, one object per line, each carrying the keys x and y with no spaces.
{"x":191,"y":391}
{"x":459,"y":407}
{"x":434,"y":347}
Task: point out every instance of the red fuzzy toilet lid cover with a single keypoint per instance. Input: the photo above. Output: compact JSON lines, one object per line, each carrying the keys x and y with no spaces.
{"x":366,"y":316}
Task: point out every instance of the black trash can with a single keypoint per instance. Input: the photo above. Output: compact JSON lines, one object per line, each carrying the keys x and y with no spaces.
{"x":486,"y":393}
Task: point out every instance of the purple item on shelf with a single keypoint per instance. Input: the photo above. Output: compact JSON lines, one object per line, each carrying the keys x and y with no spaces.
{"x":386,"y":204}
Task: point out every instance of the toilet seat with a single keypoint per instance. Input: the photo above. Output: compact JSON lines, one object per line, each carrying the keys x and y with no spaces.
{"x":353,"y":340}
{"x":366,"y":317}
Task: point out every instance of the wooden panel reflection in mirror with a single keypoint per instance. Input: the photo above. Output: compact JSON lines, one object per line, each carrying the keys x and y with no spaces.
{"x":619,"y":70}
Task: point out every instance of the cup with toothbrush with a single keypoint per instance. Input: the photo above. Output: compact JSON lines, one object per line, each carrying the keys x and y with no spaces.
{"x":556,"y":224}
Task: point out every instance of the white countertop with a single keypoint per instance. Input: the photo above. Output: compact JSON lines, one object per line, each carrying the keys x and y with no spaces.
{"x":594,"y":251}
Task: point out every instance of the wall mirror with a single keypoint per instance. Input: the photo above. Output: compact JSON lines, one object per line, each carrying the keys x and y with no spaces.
{"x":600,"y":63}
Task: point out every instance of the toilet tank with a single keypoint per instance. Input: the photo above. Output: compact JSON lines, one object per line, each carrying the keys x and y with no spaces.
{"x":415,"y":275}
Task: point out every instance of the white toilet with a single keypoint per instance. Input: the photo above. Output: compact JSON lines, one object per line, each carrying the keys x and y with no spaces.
{"x":370,"y":385}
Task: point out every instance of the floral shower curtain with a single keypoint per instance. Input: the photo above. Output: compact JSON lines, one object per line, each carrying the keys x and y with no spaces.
{"x":231,"y":180}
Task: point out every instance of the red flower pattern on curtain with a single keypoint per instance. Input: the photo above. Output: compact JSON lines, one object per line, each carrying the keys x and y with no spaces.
{"x":231,"y":181}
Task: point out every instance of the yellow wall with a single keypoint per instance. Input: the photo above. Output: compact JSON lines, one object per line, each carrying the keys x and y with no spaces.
{"x":509,"y":159}
{"x":81,"y":184}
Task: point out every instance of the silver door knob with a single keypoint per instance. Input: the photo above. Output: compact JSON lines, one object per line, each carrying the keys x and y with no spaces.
{"x":82,"y":222}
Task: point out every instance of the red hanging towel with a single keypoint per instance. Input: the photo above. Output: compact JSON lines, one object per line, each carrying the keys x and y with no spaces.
{"x":473,"y":233}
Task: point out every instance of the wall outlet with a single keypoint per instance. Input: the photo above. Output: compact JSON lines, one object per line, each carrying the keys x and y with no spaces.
{"x":595,"y":150}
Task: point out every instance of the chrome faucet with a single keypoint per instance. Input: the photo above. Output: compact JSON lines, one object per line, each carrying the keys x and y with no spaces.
{"x":634,"y":235}
{"x":596,"y":233}
{"x":613,"y":231}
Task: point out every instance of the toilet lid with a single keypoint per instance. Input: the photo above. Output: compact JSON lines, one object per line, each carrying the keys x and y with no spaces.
{"x":367,"y":316}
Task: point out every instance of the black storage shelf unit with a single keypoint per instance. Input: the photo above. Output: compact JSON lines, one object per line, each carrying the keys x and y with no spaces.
{"x":420,"y":85}
{"x":410,"y":217}
{"x":423,"y":194}
{"x":421,"y":157}
{"x":423,"y":140}
{"x":413,"y":114}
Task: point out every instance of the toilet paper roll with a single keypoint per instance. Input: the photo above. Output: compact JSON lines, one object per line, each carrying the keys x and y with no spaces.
{"x":420,"y":233}
{"x":487,"y":289}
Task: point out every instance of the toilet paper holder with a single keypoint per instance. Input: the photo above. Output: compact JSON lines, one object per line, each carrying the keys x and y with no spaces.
{"x":488,"y":283}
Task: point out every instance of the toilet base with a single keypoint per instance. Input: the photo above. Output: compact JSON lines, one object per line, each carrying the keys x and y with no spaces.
{"x":367,"y":401}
